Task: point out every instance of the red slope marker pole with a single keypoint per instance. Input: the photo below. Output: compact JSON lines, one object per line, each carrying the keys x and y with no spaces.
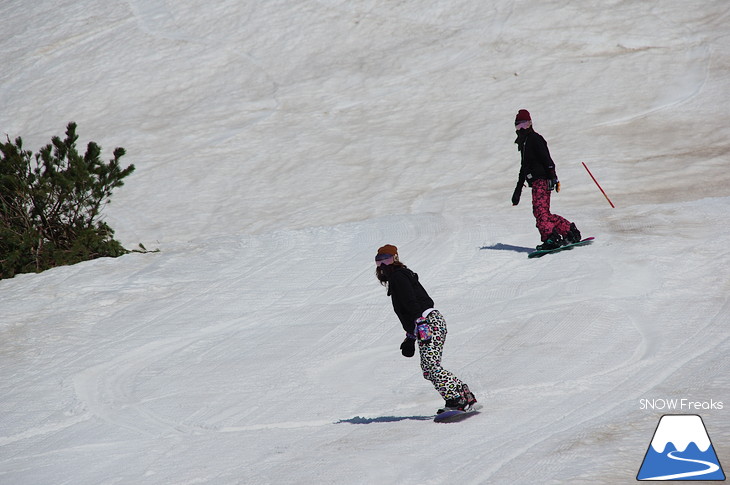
{"x":598,"y":185}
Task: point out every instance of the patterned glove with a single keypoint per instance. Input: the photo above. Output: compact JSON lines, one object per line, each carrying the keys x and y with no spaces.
{"x":423,"y":330}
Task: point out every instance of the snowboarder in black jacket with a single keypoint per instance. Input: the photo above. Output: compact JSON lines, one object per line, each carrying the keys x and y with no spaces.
{"x":422,"y":322}
{"x":538,"y":170}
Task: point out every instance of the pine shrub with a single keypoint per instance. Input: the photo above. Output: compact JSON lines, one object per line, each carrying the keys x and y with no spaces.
{"x":51,"y":203}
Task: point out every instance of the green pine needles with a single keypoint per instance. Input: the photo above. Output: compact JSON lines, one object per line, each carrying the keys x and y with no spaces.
{"x":50,"y":204}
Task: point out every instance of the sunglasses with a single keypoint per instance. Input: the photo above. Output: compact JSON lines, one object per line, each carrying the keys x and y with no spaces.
{"x":522,"y":125}
{"x":383,"y":259}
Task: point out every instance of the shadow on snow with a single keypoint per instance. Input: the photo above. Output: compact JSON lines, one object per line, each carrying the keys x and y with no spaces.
{"x":508,"y":247}
{"x":383,"y":419}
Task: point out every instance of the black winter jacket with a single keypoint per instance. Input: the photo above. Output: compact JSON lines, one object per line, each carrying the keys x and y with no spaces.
{"x":536,"y":160}
{"x":409,"y":298}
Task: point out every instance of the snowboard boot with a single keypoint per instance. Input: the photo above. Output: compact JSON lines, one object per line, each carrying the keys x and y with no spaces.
{"x":468,"y":395}
{"x":573,"y":235}
{"x":554,"y":241}
{"x":456,"y":404}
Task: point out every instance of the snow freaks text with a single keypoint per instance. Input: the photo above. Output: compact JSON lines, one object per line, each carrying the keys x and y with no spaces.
{"x":677,"y":404}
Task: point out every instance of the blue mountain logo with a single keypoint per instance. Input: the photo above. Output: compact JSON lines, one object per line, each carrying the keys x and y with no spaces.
{"x":681,"y":450}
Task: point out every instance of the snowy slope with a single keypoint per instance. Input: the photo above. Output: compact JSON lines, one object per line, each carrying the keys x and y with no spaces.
{"x":277,"y":145}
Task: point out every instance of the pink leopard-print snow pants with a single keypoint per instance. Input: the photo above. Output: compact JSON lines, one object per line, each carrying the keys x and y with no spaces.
{"x":544,"y":219}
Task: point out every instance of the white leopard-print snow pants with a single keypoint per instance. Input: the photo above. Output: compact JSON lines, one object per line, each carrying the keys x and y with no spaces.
{"x":446,"y":383}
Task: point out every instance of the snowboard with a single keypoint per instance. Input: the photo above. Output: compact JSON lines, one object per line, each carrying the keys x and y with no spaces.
{"x":542,"y":252}
{"x":457,"y":415}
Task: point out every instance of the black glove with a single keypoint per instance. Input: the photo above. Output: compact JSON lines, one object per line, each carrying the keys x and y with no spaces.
{"x":518,"y":189}
{"x":517,"y":194}
{"x":408,"y":347}
{"x":554,"y":184}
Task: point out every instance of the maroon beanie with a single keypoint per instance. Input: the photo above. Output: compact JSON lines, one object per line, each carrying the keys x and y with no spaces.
{"x":522,"y":115}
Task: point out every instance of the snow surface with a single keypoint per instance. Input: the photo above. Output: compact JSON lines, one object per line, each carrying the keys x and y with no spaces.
{"x":277,"y":145}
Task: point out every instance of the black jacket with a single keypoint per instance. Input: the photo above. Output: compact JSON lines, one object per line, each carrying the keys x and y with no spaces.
{"x":536,"y":160}
{"x":409,"y":298}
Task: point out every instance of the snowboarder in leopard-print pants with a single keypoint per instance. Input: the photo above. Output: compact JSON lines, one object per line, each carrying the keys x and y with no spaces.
{"x":446,"y":383}
{"x":422,"y":323}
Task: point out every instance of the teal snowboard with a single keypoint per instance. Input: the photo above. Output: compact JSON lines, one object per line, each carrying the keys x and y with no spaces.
{"x":543,"y":252}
